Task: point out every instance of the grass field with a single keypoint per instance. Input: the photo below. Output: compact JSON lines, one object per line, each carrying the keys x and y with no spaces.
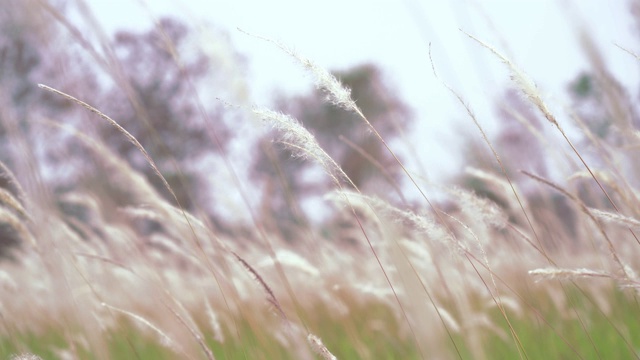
{"x":545,"y":270}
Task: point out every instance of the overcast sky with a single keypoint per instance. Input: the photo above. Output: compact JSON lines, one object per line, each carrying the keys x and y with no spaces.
{"x":540,"y":36}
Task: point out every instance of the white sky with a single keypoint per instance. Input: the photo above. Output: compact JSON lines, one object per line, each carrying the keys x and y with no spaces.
{"x":539,"y":36}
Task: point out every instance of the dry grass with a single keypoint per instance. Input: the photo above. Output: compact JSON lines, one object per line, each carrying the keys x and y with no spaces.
{"x":135,"y":276}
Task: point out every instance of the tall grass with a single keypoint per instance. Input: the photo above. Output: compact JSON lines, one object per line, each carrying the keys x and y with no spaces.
{"x":135,"y":276}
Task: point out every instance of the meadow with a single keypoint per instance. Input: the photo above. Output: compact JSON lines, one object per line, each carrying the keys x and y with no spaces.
{"x":542,"y":268}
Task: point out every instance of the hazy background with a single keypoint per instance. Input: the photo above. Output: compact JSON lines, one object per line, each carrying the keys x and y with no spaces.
{"x":539,"y":36}
{"x":184,"y":76}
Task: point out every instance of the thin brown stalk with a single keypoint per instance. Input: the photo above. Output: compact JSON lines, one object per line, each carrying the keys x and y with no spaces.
{"x":192,"y":330}
{"x":166,"y":339}
{"x":271,"y":297}
{"x":628,"y":52}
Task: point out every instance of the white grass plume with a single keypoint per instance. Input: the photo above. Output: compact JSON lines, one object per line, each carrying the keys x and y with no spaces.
{"x":292,"y":260}
{"x":521,"y":79}
{"x":214,"y":322}
{"x":25,"y":356}
{"x":614,"y":218}
{"x":318,"y":347}
{"x":503,"y":187}
{"x":164,"y":338}
{"x":17,"y":225}
{"x":370,"y":205}
{"x":8,"y":199}
{"x":567,"y":274}
{"x":478,"y":208}
{"x":355,"y":200}
{"x":302,"y":142}
{"x":336,"y":92}
{"x":9,"y":181}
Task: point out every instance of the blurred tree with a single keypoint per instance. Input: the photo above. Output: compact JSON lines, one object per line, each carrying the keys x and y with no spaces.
{"x":154,"y":95}
{"x":28,"y":55}
{"x":605,"y":114}
{"x":26,"y":38}
{"x":517,"y":143}
{"x":519,"y":137}
{"x":343,"y":135}
{"x":157,"y":102}
{"x":609,"y":120}
{"x":604,"y":105}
